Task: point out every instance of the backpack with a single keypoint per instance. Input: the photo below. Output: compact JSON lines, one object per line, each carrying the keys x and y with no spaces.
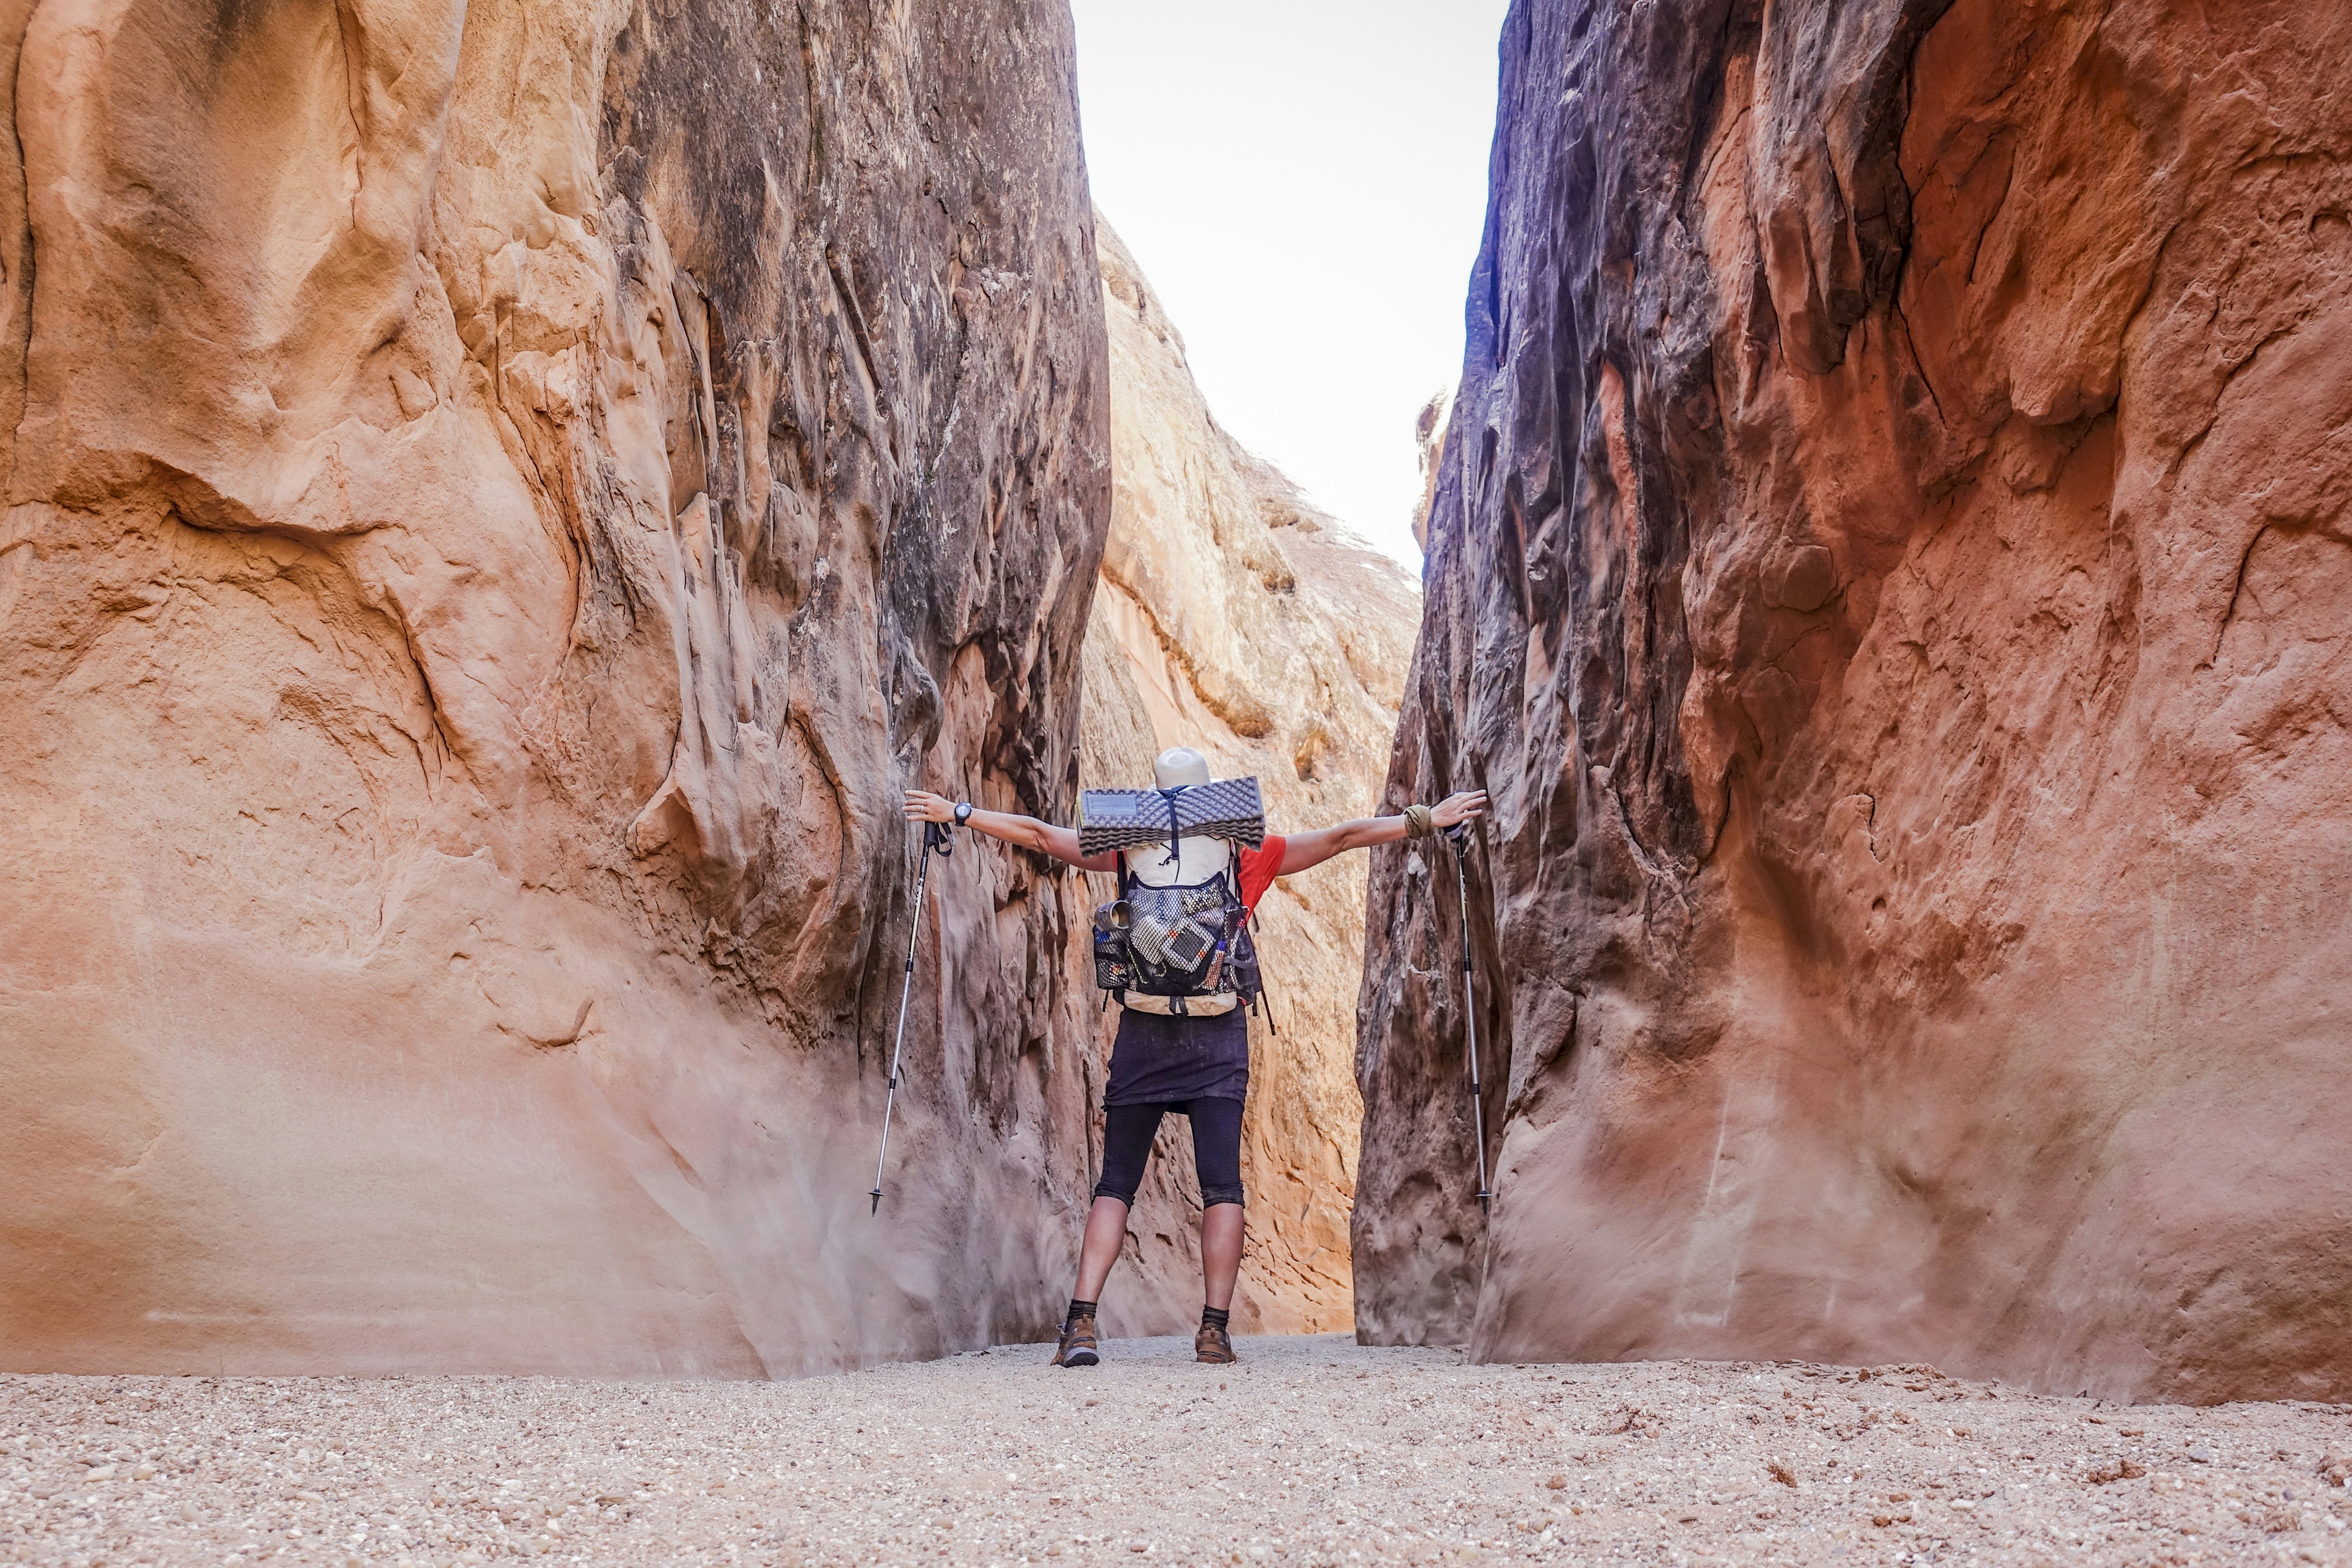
{"x":1189,"y":939}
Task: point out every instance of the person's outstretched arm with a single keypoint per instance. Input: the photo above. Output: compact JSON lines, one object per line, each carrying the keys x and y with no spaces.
{"x":1062,"y":843}
{"x":1301,"y":850}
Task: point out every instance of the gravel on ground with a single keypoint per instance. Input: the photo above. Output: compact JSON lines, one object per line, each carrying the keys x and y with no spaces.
{"x":1313,"y":1450}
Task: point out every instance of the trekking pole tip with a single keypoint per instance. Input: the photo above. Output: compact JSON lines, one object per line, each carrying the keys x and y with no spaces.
{"x":877,"y":1195}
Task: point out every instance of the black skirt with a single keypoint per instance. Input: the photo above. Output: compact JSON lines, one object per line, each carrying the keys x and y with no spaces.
{"x":1158,"y":1059}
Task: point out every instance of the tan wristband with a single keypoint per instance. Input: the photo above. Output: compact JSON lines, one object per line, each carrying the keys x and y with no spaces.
{"x":1417,"y":821}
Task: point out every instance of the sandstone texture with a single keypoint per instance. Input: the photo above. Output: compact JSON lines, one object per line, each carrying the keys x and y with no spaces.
{"x":1311,"y":1451}
{"x":1891,"y":566}
{"x":499,"y":500}
{"x":1234,"y":616}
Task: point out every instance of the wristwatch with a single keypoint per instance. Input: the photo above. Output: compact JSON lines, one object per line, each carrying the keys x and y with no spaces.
{"x":962,"y":812}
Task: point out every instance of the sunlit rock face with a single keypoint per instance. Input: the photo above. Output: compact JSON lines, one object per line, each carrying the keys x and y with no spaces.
{"x":499,"y":501}
{"x":1235,"y":617}
{"x":1891,"y":566}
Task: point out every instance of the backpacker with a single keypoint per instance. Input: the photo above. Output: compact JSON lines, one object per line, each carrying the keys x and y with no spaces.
{"x":1189,"y":939}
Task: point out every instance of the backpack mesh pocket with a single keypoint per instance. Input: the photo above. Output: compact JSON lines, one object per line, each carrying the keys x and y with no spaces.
{"x":1114,"y":964}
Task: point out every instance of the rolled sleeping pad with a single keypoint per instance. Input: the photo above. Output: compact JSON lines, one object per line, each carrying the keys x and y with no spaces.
{"x":1120,"y":818}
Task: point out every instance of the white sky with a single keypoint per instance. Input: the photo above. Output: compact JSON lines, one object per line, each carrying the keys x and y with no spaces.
{"x":1303,"y":182}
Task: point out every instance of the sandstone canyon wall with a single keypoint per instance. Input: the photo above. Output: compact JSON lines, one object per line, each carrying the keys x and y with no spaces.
{"x":499,"y":500}
{"x":1234,"y":616}
{"x":1891,"y":566}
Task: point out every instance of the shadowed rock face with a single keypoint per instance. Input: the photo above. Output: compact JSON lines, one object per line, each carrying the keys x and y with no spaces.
{"x":1235,"y":617}
{"x":1891,"y":566}
{"x":499,"y":501}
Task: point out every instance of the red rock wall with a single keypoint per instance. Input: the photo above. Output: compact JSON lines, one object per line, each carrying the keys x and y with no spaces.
{"x":1892,"y":567}
{"x":499,"y":500}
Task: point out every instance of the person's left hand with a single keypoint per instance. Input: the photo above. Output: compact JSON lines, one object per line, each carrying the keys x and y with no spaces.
{"x":922,"y":805}
{"x":1461,"y":805}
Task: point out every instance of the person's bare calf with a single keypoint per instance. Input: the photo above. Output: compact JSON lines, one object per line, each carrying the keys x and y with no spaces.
{"x":1106,"y":1229}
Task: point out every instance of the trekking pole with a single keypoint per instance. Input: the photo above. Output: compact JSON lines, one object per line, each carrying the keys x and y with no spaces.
{"x":935,"y":838}
{"x":1459,"y":837}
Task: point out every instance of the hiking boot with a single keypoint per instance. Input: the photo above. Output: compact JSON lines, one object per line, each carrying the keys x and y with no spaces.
{"x":1077,"y":1346}
{"x":1214,"y":1345}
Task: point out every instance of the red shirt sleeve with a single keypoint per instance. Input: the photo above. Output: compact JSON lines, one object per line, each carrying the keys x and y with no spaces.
{"x":1259,"y":867}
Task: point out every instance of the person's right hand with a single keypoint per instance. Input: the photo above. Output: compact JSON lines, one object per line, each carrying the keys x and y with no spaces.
{"x":922,"y":805}
{"x":1461,"y":805}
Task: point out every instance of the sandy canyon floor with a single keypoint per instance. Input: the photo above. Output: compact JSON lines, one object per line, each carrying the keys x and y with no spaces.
{"x":1313,"y":1450}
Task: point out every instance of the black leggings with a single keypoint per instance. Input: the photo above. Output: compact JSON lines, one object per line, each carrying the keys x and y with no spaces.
{"x":1127,"y":1131}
